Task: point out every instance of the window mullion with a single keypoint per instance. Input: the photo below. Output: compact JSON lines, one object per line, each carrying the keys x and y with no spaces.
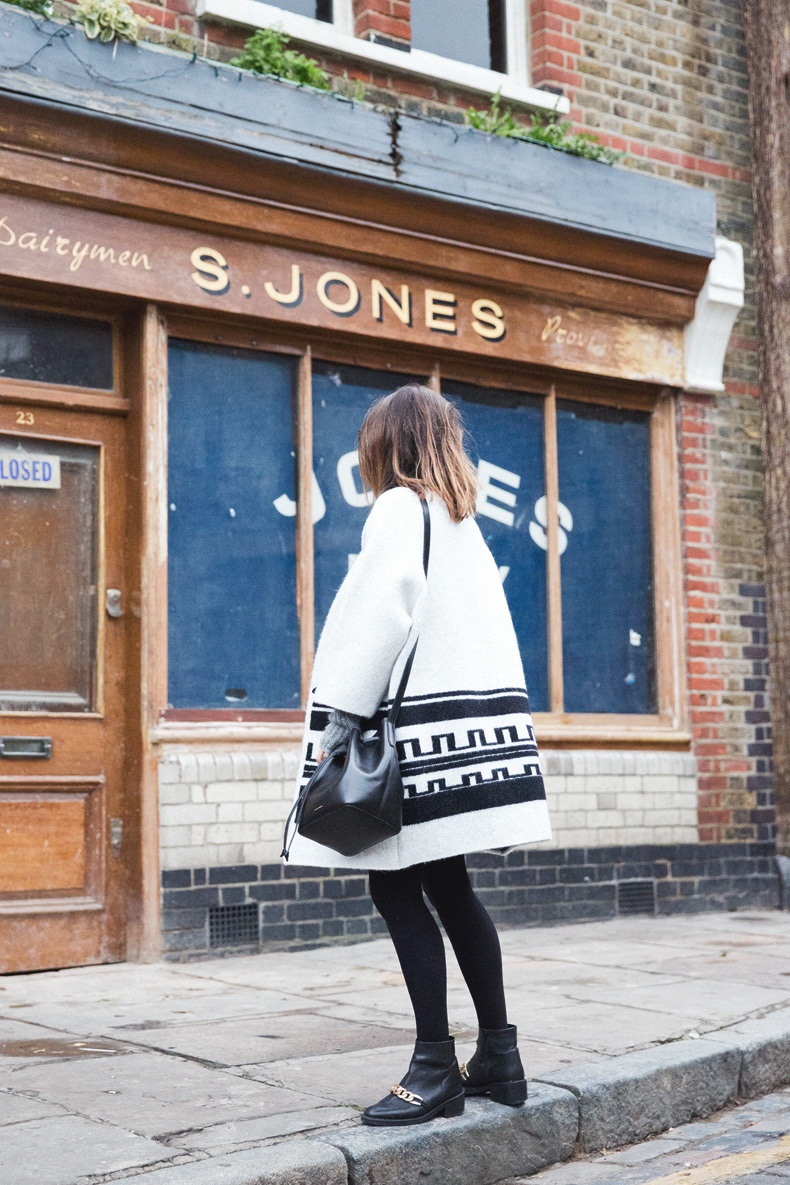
{"x":305,"y":555}
{"x":553,"y":580}
{"x":435,"y":378}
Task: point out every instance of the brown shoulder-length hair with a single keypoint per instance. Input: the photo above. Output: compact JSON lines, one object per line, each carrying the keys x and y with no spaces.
{"x":414,"y":438}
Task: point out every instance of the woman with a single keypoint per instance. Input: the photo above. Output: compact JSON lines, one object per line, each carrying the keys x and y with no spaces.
{"x":465,"y":741}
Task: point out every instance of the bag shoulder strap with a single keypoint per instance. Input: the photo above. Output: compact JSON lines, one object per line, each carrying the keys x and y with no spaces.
{"x":394,"y":711}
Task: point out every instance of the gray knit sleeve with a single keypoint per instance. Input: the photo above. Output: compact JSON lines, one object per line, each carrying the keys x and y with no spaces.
{"x":338,"y":730}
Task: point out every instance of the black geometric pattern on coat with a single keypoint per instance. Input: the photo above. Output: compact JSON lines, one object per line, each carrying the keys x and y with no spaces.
{"x":461,"y":799}
{"x":498,"y":755}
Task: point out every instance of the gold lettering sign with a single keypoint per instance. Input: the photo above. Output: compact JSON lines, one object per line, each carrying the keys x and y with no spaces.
{"x":148,"y":261}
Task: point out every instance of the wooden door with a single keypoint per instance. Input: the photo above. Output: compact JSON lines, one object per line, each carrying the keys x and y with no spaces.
{"x":62,"y":619}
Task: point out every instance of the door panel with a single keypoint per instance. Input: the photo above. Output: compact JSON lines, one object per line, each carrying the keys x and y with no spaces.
{"x":48,"y":577}
{"x":62,"y":662}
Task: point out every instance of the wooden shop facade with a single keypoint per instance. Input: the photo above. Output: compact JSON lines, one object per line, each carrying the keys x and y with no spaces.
{"x":205,"y":278}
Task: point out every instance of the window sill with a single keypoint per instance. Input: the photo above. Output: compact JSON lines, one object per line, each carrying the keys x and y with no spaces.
{"x":552,"y":731}
{"x":254,"y":15}
{"x":608,"y":732}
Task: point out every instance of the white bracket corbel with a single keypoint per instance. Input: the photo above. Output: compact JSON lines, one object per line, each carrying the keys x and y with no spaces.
{"x":718,"y":304}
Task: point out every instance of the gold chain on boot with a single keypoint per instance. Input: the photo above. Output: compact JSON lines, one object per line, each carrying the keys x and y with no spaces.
{"x":464,"y":1071}
{"x":403,"y":1093}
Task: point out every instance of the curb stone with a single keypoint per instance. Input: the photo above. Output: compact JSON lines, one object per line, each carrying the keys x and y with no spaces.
{"x":297,"y":1162}
{"x":764,"y":1045}
{"x":488,"y":1143}
{"x":626,"y":1099}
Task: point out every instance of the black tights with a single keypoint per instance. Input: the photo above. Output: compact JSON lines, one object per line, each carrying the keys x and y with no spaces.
{"x":398,"y":896}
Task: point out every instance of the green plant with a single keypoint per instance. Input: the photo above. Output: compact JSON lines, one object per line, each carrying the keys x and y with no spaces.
{"x":544,"y":128}
{"x":265,"y":53}
{"x":109,"y":19}
{"x":39,"y":7}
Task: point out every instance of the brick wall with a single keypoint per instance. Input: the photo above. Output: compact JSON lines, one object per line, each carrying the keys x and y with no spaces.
{"x":218,"y":809}
{"x":296,"y":907}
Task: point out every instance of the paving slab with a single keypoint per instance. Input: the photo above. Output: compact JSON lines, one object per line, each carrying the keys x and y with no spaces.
{"x":704,"y":999}
{"x":300,"y":1162}
{"x":485,"y":1144}
{"x":64,"y":1149}
{"x":17,"y":1108}
{"x":154,"y":1095}
{"x":226,"y":1136}
{"x":598,"y":1027}
{"x":358,"y":1078}
{"x":243,"y":1040}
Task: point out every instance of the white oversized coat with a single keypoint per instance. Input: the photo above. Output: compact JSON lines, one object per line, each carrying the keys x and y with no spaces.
{"x":468,"y":757}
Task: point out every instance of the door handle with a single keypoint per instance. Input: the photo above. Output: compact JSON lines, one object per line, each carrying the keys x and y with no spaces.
{"x":112,"y":602}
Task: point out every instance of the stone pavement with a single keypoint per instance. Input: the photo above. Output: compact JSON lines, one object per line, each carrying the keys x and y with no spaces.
{"x":746,"y":1144}
{"x":235,"y":1063}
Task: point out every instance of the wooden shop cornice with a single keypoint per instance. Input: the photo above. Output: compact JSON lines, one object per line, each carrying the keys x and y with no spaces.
{"x":182,"y":145}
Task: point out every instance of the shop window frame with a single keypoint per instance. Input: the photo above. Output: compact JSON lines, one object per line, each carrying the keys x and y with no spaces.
{"x":62,"y":394}
{"x":667,"y":727}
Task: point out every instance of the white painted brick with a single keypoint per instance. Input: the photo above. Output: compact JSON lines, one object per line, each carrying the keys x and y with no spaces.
{"x":189,"y":767}
{"x":207,"y":770}
{"x":575,"y":820}
{"x":172,"y":793}
{"x":224,"y":766}
{"x":273,"y":833}
{"x":291,"y":763}
{"x":189,"y":813}
{"x":186,"y":857}
{"x":175,"y":837}
{"x":198,"y":792}
{"x":266,"y":811}
{"x":629,"y":801}
{"x":268,"y":790}
{"x":228,"y":833}
{"x":660,"y":818}
{"x":633,"y":818}
{"x":198,"y":834}
{"x":231,"y":791}
{"x":259,"y":764}
{"x":578,"y":801}
{"x":263,"y":852}
{"x":605,"y":818}
{"x":231,"y":812}
{"x":229,"y":853}
{"x":169,"y":770}
{"x":661,"y":784}
{"x":566,"y":762}
{"x":182,"y":815}
{"x":276,"y":764}
{"x":241,"y":766}
{"x":550,"y":762}
{"x":555,"y":786}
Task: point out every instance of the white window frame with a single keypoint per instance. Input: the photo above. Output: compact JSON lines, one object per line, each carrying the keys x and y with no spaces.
{"x":339,"y":37}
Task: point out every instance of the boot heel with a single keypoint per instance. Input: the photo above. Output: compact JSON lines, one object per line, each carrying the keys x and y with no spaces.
{"x":512,"y":1094}
{"x":454,"y":1107}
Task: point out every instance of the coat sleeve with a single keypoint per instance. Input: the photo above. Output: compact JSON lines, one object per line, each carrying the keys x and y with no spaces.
{"x":370,"y":618}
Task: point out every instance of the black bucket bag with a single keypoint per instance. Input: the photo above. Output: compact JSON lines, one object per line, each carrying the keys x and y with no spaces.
{"x":355,"y":798}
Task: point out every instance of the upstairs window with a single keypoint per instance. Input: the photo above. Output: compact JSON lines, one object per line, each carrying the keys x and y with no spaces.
{"x":319,"y":10}
{"x":471,"y":31}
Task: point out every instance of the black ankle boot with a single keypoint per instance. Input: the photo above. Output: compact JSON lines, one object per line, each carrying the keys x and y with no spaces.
{"x":495,"y":1068}
{"x":431,"y":1086}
